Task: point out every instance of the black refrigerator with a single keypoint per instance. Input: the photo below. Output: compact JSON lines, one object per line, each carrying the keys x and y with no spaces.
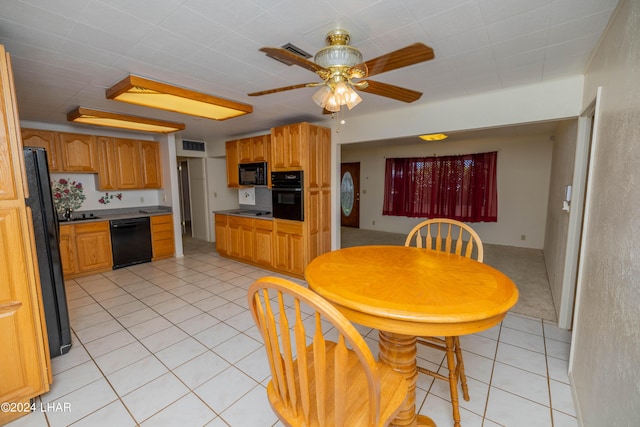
{"x":46,"y":234}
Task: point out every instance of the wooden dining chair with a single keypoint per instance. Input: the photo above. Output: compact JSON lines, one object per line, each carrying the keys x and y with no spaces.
{"x":447,"y":235}
{"x":317,"y":382}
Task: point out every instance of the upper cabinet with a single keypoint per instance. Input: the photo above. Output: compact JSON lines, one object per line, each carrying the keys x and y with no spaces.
{"x":287,"y":147}
{"x":151,"y":169}
{"x":78,"y":152}
{"x":121,"y":164}
{"x":127,"y":157}
{"x":44,"y":139}
{"x":246,"y":150}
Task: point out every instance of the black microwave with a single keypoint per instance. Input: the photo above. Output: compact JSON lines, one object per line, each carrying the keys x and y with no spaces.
{"x":252,"y":173}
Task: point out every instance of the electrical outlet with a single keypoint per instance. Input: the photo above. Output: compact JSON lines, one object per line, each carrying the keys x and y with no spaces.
{"x":523,"y":237}
{"x":373,"y":222}
{"x":164,"y":197}
{"x":141,"y":199}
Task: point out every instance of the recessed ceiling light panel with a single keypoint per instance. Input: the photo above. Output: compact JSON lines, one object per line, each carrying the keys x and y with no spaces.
{"x":121,"y":121}
{"x":150,"y":93}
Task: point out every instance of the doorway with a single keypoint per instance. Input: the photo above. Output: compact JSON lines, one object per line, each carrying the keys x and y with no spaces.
{"x":350,"y":195}
{"x":185,"y":196}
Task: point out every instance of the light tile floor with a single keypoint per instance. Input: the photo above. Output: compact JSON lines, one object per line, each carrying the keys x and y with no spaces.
{"x":172,"y":343}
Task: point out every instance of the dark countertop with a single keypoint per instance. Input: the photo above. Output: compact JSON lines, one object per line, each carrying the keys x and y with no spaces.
{"x":248,"y":213}
{"x":114,"y":214}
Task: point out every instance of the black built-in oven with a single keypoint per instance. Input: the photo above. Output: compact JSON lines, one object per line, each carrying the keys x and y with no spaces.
{"x":287,"y":195}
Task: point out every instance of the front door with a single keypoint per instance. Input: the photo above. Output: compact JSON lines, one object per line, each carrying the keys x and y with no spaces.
{"x":350,"y":195}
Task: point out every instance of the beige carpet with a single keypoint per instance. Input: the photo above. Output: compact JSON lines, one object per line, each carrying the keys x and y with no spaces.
{"x":524,"y":266}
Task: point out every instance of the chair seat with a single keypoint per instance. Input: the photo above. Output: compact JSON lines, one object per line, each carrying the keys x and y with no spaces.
{"x":393,"y":388}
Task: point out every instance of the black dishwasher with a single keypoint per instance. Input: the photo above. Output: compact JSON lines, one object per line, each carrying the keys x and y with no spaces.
{"x":130,"y":241}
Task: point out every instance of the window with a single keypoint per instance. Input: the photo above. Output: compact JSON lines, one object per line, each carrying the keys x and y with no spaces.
{"x":457,"y":187}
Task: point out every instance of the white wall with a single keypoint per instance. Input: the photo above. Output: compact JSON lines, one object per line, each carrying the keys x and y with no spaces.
{"x":523,"y":170}
{"x":198,"y":198}
{"x":605,"y":355}
{"x":220,"y":197}
{"x":555,"y":242}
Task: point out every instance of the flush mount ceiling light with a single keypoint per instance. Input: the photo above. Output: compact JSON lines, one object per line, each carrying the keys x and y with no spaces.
{"x":149,"y":93}
{"x":122,"y":121}
{"x":434,"y":137}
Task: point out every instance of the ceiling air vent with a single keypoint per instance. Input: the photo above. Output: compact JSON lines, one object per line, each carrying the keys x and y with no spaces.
{"x":293,"y":49}
{"x":193,"y":146}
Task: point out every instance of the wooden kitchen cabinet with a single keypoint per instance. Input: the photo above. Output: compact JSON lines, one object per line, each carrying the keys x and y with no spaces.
{"x":85,"y":248}
{"x":231,"y":149}
{"x":289,"y":246}
{"x":162,"y":240}
{"x":287,"y":147}
{"x":241,"y":234}
{"x":221,"y":228}
{"x":25,"y":369}
{"x":263,"y":239}
{"x":68,"y":250}
{"x":246,"y":150}
{"x":44,"y":139}
{"x":151,"y":171}
{"x":78,"y":152}
{"x":127,"y":158}
{"x":93,"y":247}
{"x":107,"y":174}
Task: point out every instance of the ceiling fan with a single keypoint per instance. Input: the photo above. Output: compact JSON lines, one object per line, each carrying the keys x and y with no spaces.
{"x":338,"y":64}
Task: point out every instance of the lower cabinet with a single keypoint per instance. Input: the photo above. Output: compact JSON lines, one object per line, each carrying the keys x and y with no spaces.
{"x":220,"y":223}
{"x":289,"y":246}
{"x":85,"y":248}
{"x":245,"y":239}
{"x":162,"y":240}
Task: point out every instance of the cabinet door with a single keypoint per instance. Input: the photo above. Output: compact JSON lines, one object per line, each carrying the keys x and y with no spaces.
{"x":233,"y":179}
{"x":222,"y":239}
{"x":264,"y":242}
{"x":93,"y":246}
{"x":127,"y":156}
{"x":78,"y":152}
{"x":289,"y":246}
{"x":24,"y":361}
{"x":107,"y":175}
{"x":67,"y":250}
{"x":245,"y":150}
{"x":151,"y":170}
{"x":287,"y":148}
{"x":261,"y":147}
{"x":44,"y":139}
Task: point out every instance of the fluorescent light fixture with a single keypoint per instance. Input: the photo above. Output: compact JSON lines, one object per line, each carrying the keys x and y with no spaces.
{"x":149,"y":93}
{"x":122,"y":121}
{"x":434,"y":137}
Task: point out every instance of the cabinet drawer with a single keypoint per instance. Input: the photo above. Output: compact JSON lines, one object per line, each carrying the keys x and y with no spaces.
{"x":91,"y":227}
{"x":161,"y":219}
{"x":158,"y":228}
{"x":290,"y":227}
{"x":263,"y":224}
{"x":162,"y":235}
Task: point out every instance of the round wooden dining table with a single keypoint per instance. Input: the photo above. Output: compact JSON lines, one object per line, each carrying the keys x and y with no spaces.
{"x":406,"y":292}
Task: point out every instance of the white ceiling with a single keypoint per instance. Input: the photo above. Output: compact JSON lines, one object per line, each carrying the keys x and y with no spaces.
{"x":65,"y":53}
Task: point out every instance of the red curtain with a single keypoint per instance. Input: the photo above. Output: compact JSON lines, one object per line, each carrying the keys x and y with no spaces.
{"x":457,"y":187}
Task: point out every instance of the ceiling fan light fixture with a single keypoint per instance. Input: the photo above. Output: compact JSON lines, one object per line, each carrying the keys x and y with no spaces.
{"x":321,"y":96}
{"x":353,"y":98}
{"x":338,"y":53}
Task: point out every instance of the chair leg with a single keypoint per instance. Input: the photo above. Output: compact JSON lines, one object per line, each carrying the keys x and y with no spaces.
{"x":453,"y":379}
{"x":460,"y":368}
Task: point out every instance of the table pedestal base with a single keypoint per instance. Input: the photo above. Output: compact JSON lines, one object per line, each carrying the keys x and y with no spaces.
{"x":399,"y":352}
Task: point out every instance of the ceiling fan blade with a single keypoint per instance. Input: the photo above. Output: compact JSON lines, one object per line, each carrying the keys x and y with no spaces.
{"x":291,"y":58}
{"x":410,"y":55}
{"x":392,"y":91}
{"x":280,"y":89}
